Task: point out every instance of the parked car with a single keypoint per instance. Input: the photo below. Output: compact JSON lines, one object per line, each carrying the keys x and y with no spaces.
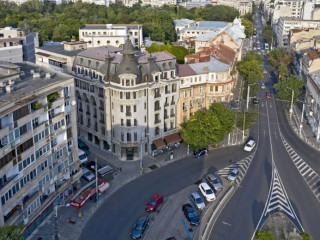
{"x":268,"y":95}
{"x":214,"y":182}
{"x":101,"y":170}
{"x":197,"y":200}
{"x":233,"y":174}
{"x":249,"y":145}
{"x":139,"y":227}
{"x":263,"y":85}
{"x":207,"y":192}
{"x":200,"y":153}
{"x":255,"y":101}
{"x":82,"y":156}
{"x":265,"y":71}
{"x":87,"y":175}
{"x":91,"y":165}
{"x":154,"y":202}
{"x":191,"y":214}
{"x":83,"y":146}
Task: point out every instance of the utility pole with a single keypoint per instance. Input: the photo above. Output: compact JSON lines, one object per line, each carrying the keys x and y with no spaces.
{"x":291,"y":108}
{"x":248,"y":93}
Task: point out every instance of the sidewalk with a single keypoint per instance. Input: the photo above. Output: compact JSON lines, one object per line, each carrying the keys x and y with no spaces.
{"x":124,"y":172}
{"x":303,"y":130}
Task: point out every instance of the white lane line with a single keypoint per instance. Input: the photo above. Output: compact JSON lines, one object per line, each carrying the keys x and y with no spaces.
{"x":302,"y":168}
{"x":226,"y":223}
{"x":307,"y":171}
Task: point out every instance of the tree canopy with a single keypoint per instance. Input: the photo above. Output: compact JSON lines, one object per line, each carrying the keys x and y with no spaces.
{"x":285,"y":86}
{"x":62,"y":22}
{"x":11,"y":232}
{"x":247,"y":21}
{"x":305,"y":236}
{"x":280,"y":59}
{"x":208,"y":126}
{"x":268,"y":33}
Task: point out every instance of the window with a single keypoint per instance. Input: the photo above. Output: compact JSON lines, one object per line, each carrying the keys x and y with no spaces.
{"x":200,"y":89}
{"x":121,"y":122}
{"x":134,"y":108}
{"x":216,"y":88}
{"x":42,"y":150}
{"x":135,"y":122}
{"x":211,"y":88}
{"x":134,"y":95}
{"x":121,"y":108}
{"x":121,"y":95}
{"x":184,"y":107}
{"x":41,"y":135}
{"x":185,"y":93}
{"x":128,"y":123}
{"x":127,"y":95}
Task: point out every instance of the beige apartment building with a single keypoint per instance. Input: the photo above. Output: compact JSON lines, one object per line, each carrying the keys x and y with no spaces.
{"x":202,"y":84}
{"x":310,"y":62}
{"x":38,"y":141}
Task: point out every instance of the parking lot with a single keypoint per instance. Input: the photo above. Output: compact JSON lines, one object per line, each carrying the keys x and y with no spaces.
{"x":169,"y":219}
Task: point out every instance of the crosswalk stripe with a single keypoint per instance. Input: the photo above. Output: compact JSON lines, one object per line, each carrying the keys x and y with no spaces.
{"x":308,"y":170}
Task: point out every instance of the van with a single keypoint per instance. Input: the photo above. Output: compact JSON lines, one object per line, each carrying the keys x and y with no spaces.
{"x":82,"y":156}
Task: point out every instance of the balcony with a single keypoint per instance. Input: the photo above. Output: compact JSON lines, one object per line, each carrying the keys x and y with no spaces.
{"x":166,"y":104}
{"x":101,"y":121}
{"x":166,"y":116}
{"x":101,"y":108}
{"x":80,"y":110}
{"x":95,"y":115}
{"x":157,"y":95}
{"x":174,"y":90}
{"x":157,"y":121}
{"x":157,"y":108}
{"x":88,"y":113}
{"x":173,"y":103}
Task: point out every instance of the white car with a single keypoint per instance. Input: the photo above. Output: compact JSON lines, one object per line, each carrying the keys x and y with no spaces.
{"x":233,"y":174}
{"x":197,"y":200}
{"x":263,"y":85}
{"x":207,"y":192}
{"x":249,"y":145}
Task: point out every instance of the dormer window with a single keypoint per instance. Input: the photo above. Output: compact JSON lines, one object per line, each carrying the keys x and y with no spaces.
{"x":81,"y":60}
{"x":156,"y":78}
{"x":127,"y":82}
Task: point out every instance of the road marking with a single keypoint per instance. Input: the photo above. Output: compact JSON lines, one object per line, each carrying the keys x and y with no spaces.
{"x":226,"y":223}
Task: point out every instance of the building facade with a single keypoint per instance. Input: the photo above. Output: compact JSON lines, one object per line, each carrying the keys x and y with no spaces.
{"x":96,"y":35}
{"x":126,"y":101}
{"x":11,"y":50}
{"x":38,"y":136}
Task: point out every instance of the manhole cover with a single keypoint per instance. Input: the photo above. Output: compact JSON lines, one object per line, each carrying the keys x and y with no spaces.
{"x":152,"y":167}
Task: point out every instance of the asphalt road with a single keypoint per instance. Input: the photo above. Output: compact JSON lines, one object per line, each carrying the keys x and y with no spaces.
{"x":116,"y":216}
{"x":242,"y":213}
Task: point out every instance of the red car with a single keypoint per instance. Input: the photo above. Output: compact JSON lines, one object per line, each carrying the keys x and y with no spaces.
{"x":268,"y":95}
{"x":154,"y":202}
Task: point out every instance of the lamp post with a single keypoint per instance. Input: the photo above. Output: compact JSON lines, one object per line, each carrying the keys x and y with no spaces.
{"x":141,"y":163}
{"x":248,"y":94}
{"x":291,"y":107}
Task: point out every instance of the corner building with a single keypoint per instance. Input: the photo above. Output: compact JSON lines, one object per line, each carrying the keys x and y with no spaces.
{"x":126,"y":102}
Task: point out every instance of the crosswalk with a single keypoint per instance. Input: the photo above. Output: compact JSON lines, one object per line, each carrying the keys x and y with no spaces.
{"x":278,"y":199}
{"x":310,"y":176}
{"x":242,"y":165}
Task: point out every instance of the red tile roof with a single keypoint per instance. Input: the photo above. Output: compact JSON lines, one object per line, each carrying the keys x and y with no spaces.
{"x":185,"y":70}
{"x":313,"y":54}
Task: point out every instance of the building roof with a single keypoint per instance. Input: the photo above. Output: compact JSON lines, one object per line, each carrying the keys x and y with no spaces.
{"x":235,"y":33}
{"x":312,"y":54}
{"x":100,"y":53}
{"x":212,"y":24}
{"x":208,"y":35}
{"x":59,"y":49}
{"x":184,"y":70}
{"x":105,"y":26}
{"x":182,"y":22}
{"x":213,"y":65}
{"x":28,"y":84}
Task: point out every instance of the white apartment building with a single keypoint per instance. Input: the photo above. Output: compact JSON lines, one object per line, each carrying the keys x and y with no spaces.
{"x":126,"y":103}
{"x":96,"y":35}
{"x":38,"y":141}
{"x":28,"y":40}
{"x":285,"y":24}
{"x":287,"y":8}
{"x":243,"y":6}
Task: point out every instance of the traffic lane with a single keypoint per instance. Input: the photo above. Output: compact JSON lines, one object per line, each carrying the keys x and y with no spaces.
{"x":307,"y":153}
{"x":118,"y":213}
{"x":303,"y":201}
{"x":242,"y":213}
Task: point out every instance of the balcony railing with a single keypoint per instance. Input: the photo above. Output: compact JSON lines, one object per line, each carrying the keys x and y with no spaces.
{"x":157,"y":121}
{"x":157,"y":108}
{"x":157,"y":95}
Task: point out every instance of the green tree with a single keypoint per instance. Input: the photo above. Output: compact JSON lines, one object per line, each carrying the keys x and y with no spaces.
{"x":265,"y":235}
{"x":280,"y":59}
{"x":285,"y":86}
{"x":268,"y":33}
{"x":11,"y":232}
{"x":247,"y":21}
{"x":251,"y":55}
{"x":225,"y":115}
{"x":202,"y":129}
{"x":177,"y":51}
{"x":305,"y":236}
{"x":246,"y":119}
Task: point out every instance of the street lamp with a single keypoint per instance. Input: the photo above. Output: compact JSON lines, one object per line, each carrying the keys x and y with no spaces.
{"x":248,"y":94}
{"x":291,"y":107}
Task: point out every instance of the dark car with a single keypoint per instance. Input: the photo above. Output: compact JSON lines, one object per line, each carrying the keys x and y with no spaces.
{"x":191,"y":214}
{"x":154,"y":202}
{"x":83,"y":146}
{"x":255,"y":101}
{"x":139,"y":227}
{"x":92,"y":166}
{"x":268,"y":95}
{"x":200,"y":153}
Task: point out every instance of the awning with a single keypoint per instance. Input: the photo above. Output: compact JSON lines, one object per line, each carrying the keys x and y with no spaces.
{"x":103,"y":187}
{"x":172,"y":138}
{"x":159,"y":143}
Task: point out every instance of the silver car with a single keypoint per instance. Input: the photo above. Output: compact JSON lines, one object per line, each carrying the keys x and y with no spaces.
{"x":214,"y":182}
{"x":197,"y":200}
{"x":233,"y":174}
